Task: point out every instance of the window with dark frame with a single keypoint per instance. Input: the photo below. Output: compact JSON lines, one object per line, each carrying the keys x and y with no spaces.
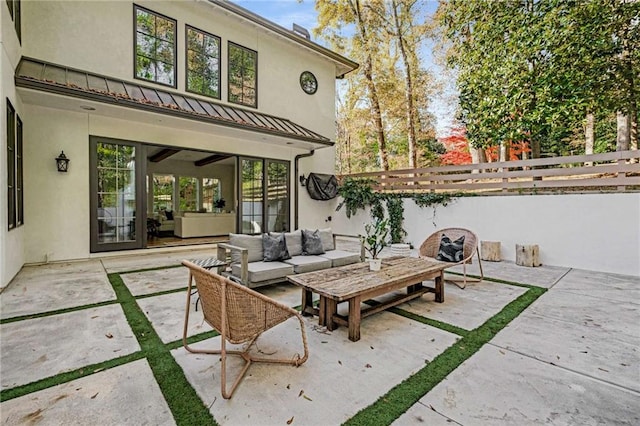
{"x":19,"y":174}
{"x":242,"y":75}
{"x":203,"y":62}
{"x":11,"y":166}
{"x":155,"y":47}
{"x":14,"y":12}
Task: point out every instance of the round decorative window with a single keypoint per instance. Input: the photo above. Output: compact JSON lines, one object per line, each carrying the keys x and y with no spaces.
{"x":308,"y":82}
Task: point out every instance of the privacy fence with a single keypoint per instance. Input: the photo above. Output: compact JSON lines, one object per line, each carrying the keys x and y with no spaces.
{"x":614,"y":171}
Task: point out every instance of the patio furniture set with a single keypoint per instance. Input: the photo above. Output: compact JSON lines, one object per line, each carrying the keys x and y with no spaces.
{"x":241,"y":314}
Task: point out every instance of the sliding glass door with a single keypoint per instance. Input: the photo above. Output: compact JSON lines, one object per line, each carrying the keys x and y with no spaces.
{"x":117,"y":194}
{"x":264,"y":197}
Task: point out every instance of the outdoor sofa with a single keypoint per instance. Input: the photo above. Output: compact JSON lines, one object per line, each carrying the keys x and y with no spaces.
{"x":246,"y":256}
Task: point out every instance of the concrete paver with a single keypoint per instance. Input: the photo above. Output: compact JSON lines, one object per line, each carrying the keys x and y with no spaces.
{"x":339,"y":378}
{"x":461,"y":307}
{"x":541,"y":276}
{"x":157,"y":259}
{"x":43,"y":347}
{"x":149,"y":282}
{"x":123,"y":395}
{"x":497,"y":386}
{"x":38,"y":289}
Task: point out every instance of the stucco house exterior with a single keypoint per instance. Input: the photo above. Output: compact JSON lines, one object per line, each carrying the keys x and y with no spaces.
{"x":163,"y":109}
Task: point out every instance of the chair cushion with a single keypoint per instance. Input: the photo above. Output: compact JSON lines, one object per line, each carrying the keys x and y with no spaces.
{"x":302,"y":264}
{"x":341,"y":257}
{"x":451,"y":251}
{"x":264,"y":271}
{"x":311,"y":242}
{"x":251,"y":242}
{"x":326,"y":235}
{"x":293,"y":241}
{"x":274,"y":248}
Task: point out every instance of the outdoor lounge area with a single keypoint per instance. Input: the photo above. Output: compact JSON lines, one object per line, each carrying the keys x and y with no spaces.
{"x":99,"y":341}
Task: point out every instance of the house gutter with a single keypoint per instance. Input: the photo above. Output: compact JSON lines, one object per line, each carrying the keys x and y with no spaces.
{"x":297,"y":185}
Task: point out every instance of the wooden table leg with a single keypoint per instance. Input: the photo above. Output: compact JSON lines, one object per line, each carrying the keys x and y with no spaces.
{"x":354,"y":318}
{"x":331,"y":309}
{"x":440,"y":288}
{"x":307,"y":309}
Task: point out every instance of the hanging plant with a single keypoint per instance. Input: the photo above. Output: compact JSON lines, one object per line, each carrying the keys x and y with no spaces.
{"x":357,"y":193}
{"x":395,"y":209}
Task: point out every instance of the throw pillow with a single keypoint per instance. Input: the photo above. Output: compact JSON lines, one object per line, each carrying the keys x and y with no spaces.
{"x":274,"y":248}
{"x":168,"y":214}
{"x":327,"y":239}
{"x":451,"y":251}
{"x":293,"y":241}
{"x":311,"y":242}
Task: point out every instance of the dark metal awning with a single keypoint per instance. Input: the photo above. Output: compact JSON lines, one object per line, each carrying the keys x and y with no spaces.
{"x":58,"y":79}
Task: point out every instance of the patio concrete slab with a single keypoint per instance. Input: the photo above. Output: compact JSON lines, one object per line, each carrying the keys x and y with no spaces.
{"x":468,"y":308}
{"x":135,"y":262}
{"x":166,"y":313}
{"x":149,"y":282}
{"x":339,"y":378}
{"x":124,"y":395}
{"x":42,"y":347}
{"x":44,"y":288}
{"x":500,"y":387}
{"x":595,"y":337}
{"x":541,"y":276}
{"x":602,"y":285}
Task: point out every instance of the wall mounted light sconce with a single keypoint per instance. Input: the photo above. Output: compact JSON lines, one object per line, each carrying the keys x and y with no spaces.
{"x":303,"y":180}
{"x":62,"y":162}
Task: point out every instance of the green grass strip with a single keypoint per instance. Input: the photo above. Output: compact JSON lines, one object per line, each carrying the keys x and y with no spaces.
{"x":57,"y":312}
{"x":155,"y":268}
{"x":185,"y":404}
{"x":399,"y":399}
{"x":428,"y":321}
{"x":68,"y":376}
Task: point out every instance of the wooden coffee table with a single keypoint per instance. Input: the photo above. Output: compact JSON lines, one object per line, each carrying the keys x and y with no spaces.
{"x":356,"y":283}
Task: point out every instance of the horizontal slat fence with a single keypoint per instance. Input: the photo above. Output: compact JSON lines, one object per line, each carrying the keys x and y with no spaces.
{"x":614,"y":171}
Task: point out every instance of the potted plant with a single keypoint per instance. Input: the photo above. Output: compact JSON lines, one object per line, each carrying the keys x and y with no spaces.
{"x":219,"y":204}
{"x":375,"y":241}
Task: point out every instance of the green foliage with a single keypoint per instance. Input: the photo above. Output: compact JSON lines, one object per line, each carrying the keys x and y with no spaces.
{"x":395,"y":209}
{"x":376,"y":238}
{"x":427,"y":199}
{"x":357,"y":193}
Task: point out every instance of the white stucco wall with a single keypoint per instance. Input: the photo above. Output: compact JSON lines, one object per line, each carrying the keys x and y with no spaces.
{"x":11,"y":242}
{"x":588,"y":231}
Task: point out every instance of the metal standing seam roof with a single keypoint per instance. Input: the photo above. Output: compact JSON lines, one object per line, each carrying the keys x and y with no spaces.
{"x":39,"y":75}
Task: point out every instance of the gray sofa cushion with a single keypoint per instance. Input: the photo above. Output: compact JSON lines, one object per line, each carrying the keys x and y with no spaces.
{"x":302,"y":264}
{"x":264,"y":271}
{"x":326,"y":235}
{"x":341,"y":257}
{"x":311,"y":242}
{"x":251,"y":242}
{"x":294,"y":242}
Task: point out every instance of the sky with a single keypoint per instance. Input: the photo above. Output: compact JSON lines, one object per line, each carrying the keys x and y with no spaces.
{"x":287,"y":12}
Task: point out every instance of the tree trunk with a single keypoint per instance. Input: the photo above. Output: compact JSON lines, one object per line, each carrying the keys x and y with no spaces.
{"x":409,"y":89}
{"x":589,"y":137}
{"x":373,"y":94}
{"x":622,"y":141}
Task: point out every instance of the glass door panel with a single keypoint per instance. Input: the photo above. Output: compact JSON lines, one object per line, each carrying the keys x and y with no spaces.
{"x":251,"y":196}
{"x":277,"y":196}
{"x":116,"y":195}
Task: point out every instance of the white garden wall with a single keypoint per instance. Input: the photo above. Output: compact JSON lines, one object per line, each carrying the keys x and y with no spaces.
{"x":598,"y":232}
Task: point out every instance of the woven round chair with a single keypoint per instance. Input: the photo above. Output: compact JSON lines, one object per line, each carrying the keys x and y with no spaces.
{"x":240,"y":315}
{"x":431,"y":246}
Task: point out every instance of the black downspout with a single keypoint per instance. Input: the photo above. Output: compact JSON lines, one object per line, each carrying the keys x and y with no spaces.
{"x":297,"y":185}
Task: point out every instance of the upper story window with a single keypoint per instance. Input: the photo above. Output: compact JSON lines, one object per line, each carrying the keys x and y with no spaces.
{"x":14,"y":12}
{"x":155,"y":44}
{"x":243,"y":75}
{"x":203,"y":63}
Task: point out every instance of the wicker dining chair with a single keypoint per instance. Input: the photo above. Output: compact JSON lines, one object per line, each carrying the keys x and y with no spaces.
{"x":431,"y":246}
{"x":240,"y":315}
